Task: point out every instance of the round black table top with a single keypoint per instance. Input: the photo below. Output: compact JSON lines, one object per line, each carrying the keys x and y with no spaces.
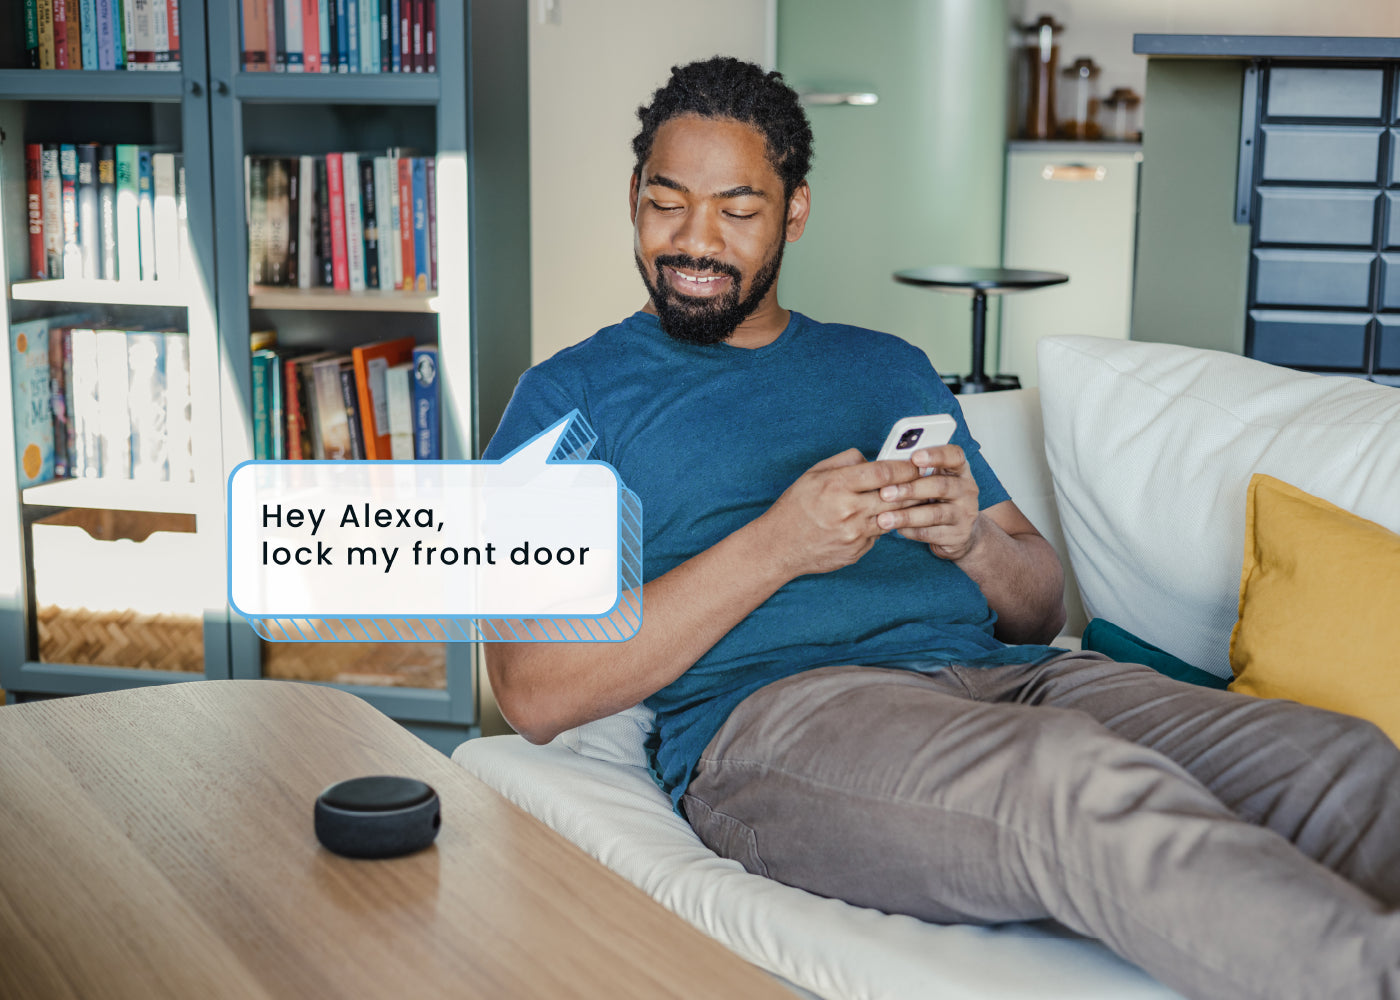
{"x":989,"y":280}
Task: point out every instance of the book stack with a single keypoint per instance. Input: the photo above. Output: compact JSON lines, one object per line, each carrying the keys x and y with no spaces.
{"x":349,"y":221}
{"x":340,"y":36}
{"x":93,"y":403}
{"x":97,"y":211}
{"x":102,"y":34}
{"x":380,"y":401}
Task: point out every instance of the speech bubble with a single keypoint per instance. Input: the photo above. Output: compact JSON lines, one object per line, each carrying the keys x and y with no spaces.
{"x":542,"y":545}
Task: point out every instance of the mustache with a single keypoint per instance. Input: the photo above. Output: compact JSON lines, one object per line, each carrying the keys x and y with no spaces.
{"x":697,"y":264}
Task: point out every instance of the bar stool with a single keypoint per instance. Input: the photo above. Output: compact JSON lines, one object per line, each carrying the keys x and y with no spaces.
{"x":979,"y":282}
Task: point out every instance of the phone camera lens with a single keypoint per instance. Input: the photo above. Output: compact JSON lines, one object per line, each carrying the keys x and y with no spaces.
{"x":909,"y":438}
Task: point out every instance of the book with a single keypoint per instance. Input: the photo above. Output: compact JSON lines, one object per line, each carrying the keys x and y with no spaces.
{"x":340,"y":28}
{"x":427,"y":440}
{"x":308,"y":425}
{"x":420,"y":224}
{"x":326,"y":31}
{"x":261,"y":404}
{"x":395,"y":37}
{"x":87,"y":19}
{"x":128,"y":235}
{"x":34,"y":201}
{"x":107,"y":35}
{"x":75,"y":35}
{"x":60,"y":34}
{"x":306,"y":271}
{"x":44,"y":24}
{"x":290,"y":272}
{"x":68,"y":175}
{"x":85,"y":415}
{"x":160,"y":34}
{"x":405,"y":36}
{"x":31,"y":34}
{"x":395,"y":234}
{"x":141,"y":48}
{"x":354,"y":222}
{"x":179,"y":427}
{"x":292,"y":33}
{"x":255,"y":58}
{"x":113,"y":412}
{"x":172,"y":10}
{"x":146,"y":214}
{"x":398,"y":388}
{"x":297,"y":403}
{"x":311,"y":35}
{"x":89,"y":216}
{"x":60,"y":404}
{"x":385,"y":61}
{"x":349,"y":394}
{"x":371,"y":363}
{"x":324,"y":255}
{"x":276,"y":415}
{"x":146,"y":406}
{"x":277,"y":18}
{"x":166,"y":218}
{"x":52,"y":187}
{"x":255,"y":180}
{"x":369,"y":41}
{"x":407,"y":262}
{"x":369,"y":196}
{"x":332,"y":426}
{"x":30,"y":397}
{"x":335,"y":188}
{"x":275,"y":272}
{"x":383,"y":213}
{"x":430,"y":36}
{"x":107,"y":211}
{"x":417,"y":25}
{"x":352,"y":34}
{"x":127,"y":57}
{"x":430,"y":189}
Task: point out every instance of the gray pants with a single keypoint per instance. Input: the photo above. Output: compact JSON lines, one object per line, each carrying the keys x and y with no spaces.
{"x":1229,"y":845}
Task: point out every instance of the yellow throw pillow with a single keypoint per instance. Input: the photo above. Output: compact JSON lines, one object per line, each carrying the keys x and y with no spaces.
{"x":1319,"y":606}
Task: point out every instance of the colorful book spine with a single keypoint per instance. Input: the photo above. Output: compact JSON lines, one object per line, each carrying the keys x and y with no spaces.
{"x":140,"y":50}
{"x":107,"y":211}
{"x":395,"y":38}
{"x":352,"y":33}
{"x":277,"y":33}
{"x":31,"y":34}
{"x":339,"y":254}
{"x":146,"y":214}
{"x":106,"y":35}
{"x":294,"y":196}
{"x":405,"y":36}
{"x":369,"y":201}
{"x":326,"y":33}
{"x":167,"y":218}
{"x":87,"y":19}
{"x":277,"y":408}
{"x":427,"y":443}
{"x":89,"y":216}
{"x":34,"y":202}
{"x":386,"y":44}
{"x":86,"y":415}
{"x":306,"y":222}
{"x":129,"y":40}
{"x":292,"y":404}
{"x":172,"y":31}
{"x":430,"y":36}
{"x":391,"y":184}
{"x":383,"y":215}
{"x":44,"y":21}
{"x":60,"y":33}
{"x":160,"y":34}
{"x":75,"y":34}
{"x":417,"y":26}
{"x":292,"y":31}
{"x":58,"y":403}
{"x":311,"y":35}
{"x":53,"y":209}
{"x":30,"y":393}
{"x":277,"y":228}
{"x":256,"y":178}
{"x":398,"y":388}
{"x":324,"y":256}
{"x":255,"y":57}
{"x":420,"y":224}
{"x":72,"y":249}
{"x":262,"y":431}
{"x":331,"y":422}
{"x":354,"y":222}
{"x":407,"y":261}
{"x":340,"y":33}
{"x":430,"y":185}
{"x":178,"y":424}
{"x":349,"y":396}
{"x":147,"y":402}
{"x":128,"y":162}
{"x":113,"y":410}
{"x":70,"y":441}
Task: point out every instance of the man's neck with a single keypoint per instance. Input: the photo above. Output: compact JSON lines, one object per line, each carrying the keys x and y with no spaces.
{"x":759,"y":329}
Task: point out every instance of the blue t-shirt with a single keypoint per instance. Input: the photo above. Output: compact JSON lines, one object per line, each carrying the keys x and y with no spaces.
{"x":708,"y":437}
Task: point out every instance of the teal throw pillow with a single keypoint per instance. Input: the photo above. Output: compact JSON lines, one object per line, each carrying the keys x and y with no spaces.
{"x":1103,"y":636}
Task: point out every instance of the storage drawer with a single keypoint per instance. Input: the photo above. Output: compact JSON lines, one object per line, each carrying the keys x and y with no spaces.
{"x":1321,"y":153}
{"x":1317,"y":215}
{"x":1313,"y":278}
{"x":1388,"y":345}
{"x":1309,"y":339}
{"x":1390,"y":281}
{"x":1320,"y":92}
{"x":1392,"y":232}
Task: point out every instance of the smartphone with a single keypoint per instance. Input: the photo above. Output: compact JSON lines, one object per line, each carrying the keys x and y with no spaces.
{"x":912,"y":433}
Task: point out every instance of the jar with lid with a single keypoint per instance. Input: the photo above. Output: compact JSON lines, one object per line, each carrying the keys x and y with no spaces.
{"x":1121,"y":115}
{"x":1079,"y":101}
{"x":1042,"y":58}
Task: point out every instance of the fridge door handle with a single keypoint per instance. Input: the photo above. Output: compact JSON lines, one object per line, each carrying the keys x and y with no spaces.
{"x":1073,"y":172}
{"x":855,"y":99}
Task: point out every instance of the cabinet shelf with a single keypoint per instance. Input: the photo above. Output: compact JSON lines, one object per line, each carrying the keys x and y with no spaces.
{"x":90,"y":85}
{"x":97,"y":292}
{"x":116,"y":494}
{"x":337,"y":88}
{"x":330,"y":299}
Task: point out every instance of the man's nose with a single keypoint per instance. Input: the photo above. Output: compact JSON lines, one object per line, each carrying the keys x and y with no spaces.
{"x":699,"y":235}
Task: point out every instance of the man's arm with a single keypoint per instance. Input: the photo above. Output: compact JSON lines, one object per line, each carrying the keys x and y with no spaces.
{"x":827,"y":519}
{"x":1015,"y":567}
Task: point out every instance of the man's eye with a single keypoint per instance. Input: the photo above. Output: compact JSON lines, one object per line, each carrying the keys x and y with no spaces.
{"x":665,"y":208}
{"x":741,"y":215}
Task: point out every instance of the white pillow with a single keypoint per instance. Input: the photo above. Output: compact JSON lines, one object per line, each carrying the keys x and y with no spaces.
{"x":619,"y":738}
{"x":1152,"y":446}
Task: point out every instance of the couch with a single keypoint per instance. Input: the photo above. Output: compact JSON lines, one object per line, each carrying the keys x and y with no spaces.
{"x":1133,"y":459}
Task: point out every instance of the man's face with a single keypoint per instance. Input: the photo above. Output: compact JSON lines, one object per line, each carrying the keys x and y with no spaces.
{"x":709,"y":221}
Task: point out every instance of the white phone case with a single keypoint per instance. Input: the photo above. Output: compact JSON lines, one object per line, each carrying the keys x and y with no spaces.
{"x":910,"y":434}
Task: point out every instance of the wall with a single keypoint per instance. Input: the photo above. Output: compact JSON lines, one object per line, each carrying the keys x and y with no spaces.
{"x":1104,"y":29}
{"x":592,"y":63}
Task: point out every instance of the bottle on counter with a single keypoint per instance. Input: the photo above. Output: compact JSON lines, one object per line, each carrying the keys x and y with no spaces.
{"x":1042,"y":57}
{"x":1120,"y":120}
{"x":1079,"y":101}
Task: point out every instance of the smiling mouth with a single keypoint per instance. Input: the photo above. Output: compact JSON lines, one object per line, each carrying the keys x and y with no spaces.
{"x":697,"y":285}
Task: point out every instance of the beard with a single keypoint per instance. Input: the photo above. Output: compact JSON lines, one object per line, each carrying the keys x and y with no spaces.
{"x":710,"y":320}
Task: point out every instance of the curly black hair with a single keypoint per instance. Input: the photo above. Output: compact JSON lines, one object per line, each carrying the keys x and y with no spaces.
{"x":725,"y":87}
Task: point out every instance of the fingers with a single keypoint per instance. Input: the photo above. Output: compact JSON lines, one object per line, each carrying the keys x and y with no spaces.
{"x":851,"y":456}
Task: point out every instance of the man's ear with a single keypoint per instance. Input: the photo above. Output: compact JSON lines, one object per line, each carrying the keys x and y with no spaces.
{"x":799,"y":205}
{"x":632,"y":192}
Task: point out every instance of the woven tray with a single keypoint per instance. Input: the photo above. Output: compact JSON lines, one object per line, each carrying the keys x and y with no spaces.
{"x":120,"y":639}
{"x":382,"y":664}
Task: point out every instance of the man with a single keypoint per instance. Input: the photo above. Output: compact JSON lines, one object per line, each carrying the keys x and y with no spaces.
{"x":842,"y":654}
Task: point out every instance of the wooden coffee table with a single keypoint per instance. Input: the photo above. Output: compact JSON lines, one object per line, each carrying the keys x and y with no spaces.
{"x":158,"y":842}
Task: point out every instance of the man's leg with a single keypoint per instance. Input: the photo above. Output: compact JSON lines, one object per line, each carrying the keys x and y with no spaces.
{"x":1328,"y":782}
{"x":897,"y":791}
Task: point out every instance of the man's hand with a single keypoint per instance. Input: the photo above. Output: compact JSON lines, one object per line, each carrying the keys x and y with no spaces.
{"x":829,"y":517}
{"x":940,"y":509}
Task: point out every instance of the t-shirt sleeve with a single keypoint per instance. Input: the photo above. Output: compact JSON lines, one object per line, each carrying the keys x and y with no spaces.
{"x":990,"y":490}
{"x":537,"y":403}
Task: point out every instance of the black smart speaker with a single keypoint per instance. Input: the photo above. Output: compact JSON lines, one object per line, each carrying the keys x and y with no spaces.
{"x":380,"y":816}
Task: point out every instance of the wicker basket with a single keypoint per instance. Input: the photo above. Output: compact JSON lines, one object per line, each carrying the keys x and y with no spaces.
{"x":121,"y":639}
{"x":382,"y":664}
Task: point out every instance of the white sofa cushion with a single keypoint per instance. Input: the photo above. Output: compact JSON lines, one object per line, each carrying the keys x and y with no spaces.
{"x":1152,"y":446}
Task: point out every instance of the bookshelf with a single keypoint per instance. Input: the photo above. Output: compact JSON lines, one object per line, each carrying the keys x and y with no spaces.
{"x":471,"y":116}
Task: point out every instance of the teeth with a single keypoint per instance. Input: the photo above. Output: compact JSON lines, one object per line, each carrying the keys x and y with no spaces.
{"x":699,"y":281}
